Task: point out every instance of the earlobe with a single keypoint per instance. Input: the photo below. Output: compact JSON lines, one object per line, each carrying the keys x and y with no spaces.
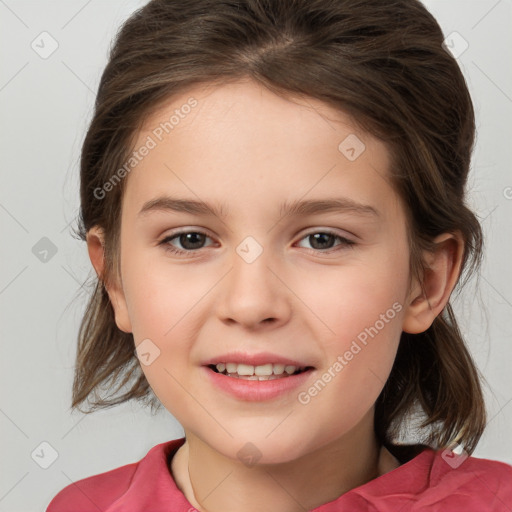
{"x":96,"y":249}
{"x":426,"y":302}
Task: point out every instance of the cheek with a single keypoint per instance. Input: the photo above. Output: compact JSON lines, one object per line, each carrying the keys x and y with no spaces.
{"x":162,"y":301}
{"x":346,"y":300}
{"x":362,"y":307}
{"x":357,"y":362}
{"x":160,"y":295}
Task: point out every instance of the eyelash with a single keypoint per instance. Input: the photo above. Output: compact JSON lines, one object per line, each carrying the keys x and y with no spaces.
{"x":345,"y":242}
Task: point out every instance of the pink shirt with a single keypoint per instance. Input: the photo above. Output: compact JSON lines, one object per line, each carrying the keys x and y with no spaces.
{"x":424,"y":483}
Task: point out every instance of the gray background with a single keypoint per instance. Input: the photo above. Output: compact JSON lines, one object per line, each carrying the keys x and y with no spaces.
{"x":45,"y":105}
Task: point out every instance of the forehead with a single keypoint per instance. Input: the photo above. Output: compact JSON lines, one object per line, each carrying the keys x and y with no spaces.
{"x":250,"y":95}
{"x":239,"y":140}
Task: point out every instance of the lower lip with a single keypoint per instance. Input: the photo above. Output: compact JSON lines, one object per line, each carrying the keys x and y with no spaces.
{"x":256,"y":390}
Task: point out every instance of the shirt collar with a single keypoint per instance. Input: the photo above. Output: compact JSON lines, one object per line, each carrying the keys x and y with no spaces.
{"x":152,"y":486}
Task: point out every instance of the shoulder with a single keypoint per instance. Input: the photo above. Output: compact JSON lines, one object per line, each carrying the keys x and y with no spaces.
{"x":468,"y":469}
{"x":99,"y":492}
{"x":95,"y":492}
{"x":439,"y":481}
{"x":470,"y":483}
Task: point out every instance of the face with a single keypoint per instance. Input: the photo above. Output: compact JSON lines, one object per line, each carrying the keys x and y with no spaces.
{"x":251,"y":280}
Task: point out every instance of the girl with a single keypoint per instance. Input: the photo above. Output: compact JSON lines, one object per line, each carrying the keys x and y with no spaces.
{"x":273,"y":198}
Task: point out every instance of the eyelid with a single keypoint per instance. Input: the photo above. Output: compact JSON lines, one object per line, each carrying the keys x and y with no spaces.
{"x":332,"y":231}
{"x":313,"y":230}
{"x":171,"y":233}
{"x":345,"y":242}
{"x":182,"y":231}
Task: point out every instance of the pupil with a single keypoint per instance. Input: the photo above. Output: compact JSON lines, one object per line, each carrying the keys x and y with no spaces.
{"x":321,"y":237}
{"x":190,"y":240}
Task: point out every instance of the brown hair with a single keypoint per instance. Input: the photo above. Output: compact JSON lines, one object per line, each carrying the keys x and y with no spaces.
{"x":382,"y":63}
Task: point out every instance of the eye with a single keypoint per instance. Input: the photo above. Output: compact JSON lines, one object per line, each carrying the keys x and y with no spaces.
{"x":323,"y":241}
{"x":189,"y":240}
{"x":192,"y":241}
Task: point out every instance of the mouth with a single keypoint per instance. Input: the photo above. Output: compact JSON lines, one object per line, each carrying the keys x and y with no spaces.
{"x":264,"y":372}
{"x":257,"y":377}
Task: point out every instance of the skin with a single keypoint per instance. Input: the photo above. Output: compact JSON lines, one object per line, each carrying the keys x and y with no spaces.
{"x":250,"y":149}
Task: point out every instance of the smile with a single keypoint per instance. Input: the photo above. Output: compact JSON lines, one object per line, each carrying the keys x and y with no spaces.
{"x":243,"y":382}
{"x":268,"y":371}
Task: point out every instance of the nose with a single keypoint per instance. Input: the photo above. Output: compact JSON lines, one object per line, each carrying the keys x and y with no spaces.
{"x":253,"y":294}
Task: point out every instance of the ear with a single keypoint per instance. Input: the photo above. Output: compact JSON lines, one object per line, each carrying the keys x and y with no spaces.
{"x":96,"y":248}
{"x":444,"y":264}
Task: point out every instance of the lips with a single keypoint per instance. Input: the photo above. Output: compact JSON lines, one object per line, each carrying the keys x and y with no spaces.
{"x":257,"y":387}
{"x":261,"y":366}
{"x":256,"y":376}
{"x":259,"y":359}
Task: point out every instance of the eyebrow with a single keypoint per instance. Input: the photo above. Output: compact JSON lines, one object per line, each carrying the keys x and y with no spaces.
{"x":297,"y":207}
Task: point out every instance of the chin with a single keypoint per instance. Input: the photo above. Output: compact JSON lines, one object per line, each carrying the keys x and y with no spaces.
{"x":257,"y":450}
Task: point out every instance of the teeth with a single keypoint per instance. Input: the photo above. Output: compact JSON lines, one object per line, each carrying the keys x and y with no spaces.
{"x":278,"y":369}
{"x":230,"y":367}
{"x":267,"y":371}
{"x":264,"y":369}
{"x":245,"y":369}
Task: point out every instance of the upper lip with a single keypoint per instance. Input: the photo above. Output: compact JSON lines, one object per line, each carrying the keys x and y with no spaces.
{"x":258,"y":359}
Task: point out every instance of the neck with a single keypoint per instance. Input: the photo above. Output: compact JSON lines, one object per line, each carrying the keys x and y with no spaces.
{"x":214,"y":483}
